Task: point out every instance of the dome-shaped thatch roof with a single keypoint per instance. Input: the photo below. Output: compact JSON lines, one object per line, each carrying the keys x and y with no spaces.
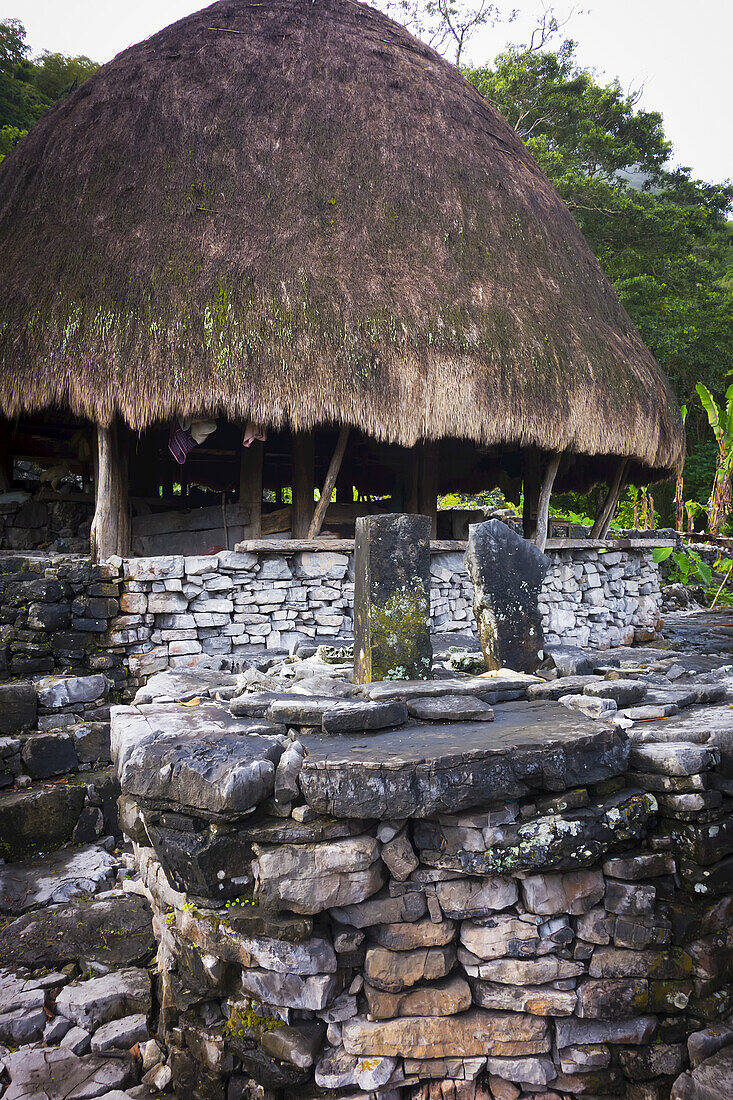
{"x":295,"y":212}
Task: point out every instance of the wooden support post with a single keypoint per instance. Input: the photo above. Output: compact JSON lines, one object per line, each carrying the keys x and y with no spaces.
{"x":303,"y":483}
{"x":111,"y":524}
{"x":531,"y":490}
{"x":608,"y":509}
{"x":412,"y":479}
{"x":334,"y":466}
{"x":543,"y":507}
{"x":250,"y":485}
{"x":6,"y":460}
{"x":427,"y":486}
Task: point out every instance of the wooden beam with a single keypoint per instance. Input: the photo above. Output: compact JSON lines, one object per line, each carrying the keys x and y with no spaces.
{"x":334,"y":466}
{"x":427,"y":486}
{"x":608,"y":509}
{"x":6,"y":460}
{"x":531,"y":490}
{"x":543,"y":506}
{"x":303,"y":482}
{"x":250,"y":484}
{"x":110,"y":532}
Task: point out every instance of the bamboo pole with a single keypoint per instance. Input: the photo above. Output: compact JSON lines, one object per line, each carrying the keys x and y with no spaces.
{"x":334,"y":467}
{"x":543,"y":507}
{"x":608,"y":509}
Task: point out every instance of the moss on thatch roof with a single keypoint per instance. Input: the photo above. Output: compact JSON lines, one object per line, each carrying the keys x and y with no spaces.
{"x":294,"y":211}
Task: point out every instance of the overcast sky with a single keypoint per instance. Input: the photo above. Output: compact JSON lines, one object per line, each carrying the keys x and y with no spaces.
{"x":680,"y":51}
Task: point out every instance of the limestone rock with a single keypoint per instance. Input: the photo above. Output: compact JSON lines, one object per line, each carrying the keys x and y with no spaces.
{"x":499,"y":936}
{"x":121,"y":1034}
{"x":385,"y":909}
{"x":408,"y":936}
{"x":445,"y":997}
{"x":94,"y":1002}
{"x":507,"y":573}
{"x":399,"y":857}
{"x":625,"y":693}
{"x":58,"y":1074}
{"x":576,"y":892}
{"x":309,"y":878}
{"x":462,"y":898}
{"x":541,"y":1000}
{"x":451,"y":708}
{"x":520,"y":972}
{"x":393,"y":971}
{"x":472,"y":1034}
{"x":313,"y":992}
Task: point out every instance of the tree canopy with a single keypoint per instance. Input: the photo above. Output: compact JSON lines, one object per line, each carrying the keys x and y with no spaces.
{"x":662,"y":237}
{"x":28,"y":88}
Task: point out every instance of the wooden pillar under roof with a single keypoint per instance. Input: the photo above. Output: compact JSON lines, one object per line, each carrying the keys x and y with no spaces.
{"x":250,"y":485}
{"x":110,"y":532}
{"x":303,"y":483}
{"x":543,"y":506}
{"x":427,"y":485}
{"x":531,"y":481}
{"x":6,"y":461}
{"x":608,"y":509}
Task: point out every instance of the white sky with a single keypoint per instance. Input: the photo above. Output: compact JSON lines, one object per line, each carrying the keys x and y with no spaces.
{"x":680,"y":51}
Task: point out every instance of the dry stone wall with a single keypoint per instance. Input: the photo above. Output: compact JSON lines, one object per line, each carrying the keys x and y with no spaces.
{"x":557,"y":926}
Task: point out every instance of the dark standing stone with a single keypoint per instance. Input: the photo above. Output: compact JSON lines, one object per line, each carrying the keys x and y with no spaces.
{"x":392,"y":599}
{"x":18,"y":707}
{"x":48,"y":754}
{"x":507,"y":573}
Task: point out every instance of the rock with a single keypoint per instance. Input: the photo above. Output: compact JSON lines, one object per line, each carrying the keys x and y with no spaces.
{"x":38,"y":818}
{"x":639,"y":866}
{"x":383,"y":910}
{"x":506,"y":572}
{"x":538,"y":1000}
{"x":91,"y":742}
{"x":651,"y":712}
{"x":657,"y":1060}
{"x":576,"y":892}
{"x":451,"y":708}
{"x":409,"y":936}
{"x":336,"y":1069}
{"x":22,"y":1024}
{"x":555,"y":689}
{"x":164,"y":755}
{"x":309,"y":878}
{"x":84,"y":933}
{"x":94,"y":1002}
{"x":471,"y":1034}
{"x":634,"y":1031}
{"x":611,"y":962}
{"x":287,"y":772}
{"x":500,"y":936}
{"x":18,"y":707}
{"x":58,"y":877}
{"x":55,"y":1030}
{"x":399,"y":857}
{"x":348,"y":717}
{"x":569,"y":660}
{"x":673,"y":758}
{"x":392,"y":598}
{"x":393,"y":971}
{"x":297,"y":1045}
{"x":628,"y":898}
{"x":591,"y":707}
{"x":58,"y":1074}
{"x":611,"y":999}
{"x":312,"y":993}
{"x":624,"y":693}
{"x":159,"y":1077}
{"x":121,"y":1034}
{"x":421,"y":770}
{"x":78,"y":1040}
{"x":525,"y":1071}
{"x":55,"y":693}
{"x":521,"y":972}
{"x":445,"y":997}
{"x":462,"y":898}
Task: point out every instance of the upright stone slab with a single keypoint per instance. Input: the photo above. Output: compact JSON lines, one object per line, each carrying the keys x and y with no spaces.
{"x":507,"y":573}
{"x":392,"y":599}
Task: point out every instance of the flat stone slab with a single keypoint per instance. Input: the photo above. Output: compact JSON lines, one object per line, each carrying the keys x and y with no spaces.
{"x":421,"y":770}
{"x":199,"y":758}
{"x":59,"y":877}
{"x":110,"y":932}
{"x":492,"y":689}
{"x":450,"y":708}
{"x":185,"y":683}
{"x":58,"y":1074}
{"x":337,"y":716}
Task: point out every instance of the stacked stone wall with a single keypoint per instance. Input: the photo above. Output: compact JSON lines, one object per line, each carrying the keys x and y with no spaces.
{"x":559,"y":943}
{"x":34,"y":522}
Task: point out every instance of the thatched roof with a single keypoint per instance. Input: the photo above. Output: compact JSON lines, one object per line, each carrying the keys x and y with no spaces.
{"x":293,"y":211}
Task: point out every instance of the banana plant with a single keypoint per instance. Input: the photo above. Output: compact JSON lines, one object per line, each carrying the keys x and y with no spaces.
{"x":721,"y":421}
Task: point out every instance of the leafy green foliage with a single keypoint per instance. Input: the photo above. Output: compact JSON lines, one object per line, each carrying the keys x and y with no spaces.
{"x":29,"y":88}
{"x":662,"y":237}
{"x":689,"y":568}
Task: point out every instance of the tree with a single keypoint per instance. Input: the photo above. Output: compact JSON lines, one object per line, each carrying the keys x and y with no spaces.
{"x":721,"y":421}
{"x":662,"y":237}
{"x":446,"y":25}
{"x":56,"y":74}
